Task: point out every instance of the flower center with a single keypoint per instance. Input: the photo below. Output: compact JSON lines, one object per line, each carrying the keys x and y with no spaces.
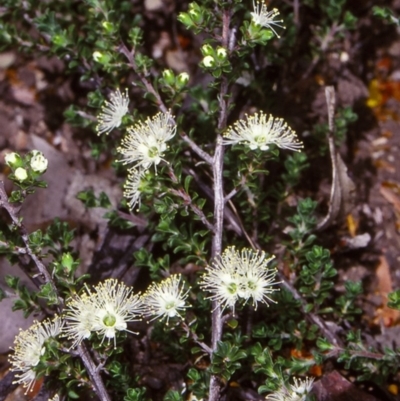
{"x":252,"y":285}
{"x":232,"y":288}
{"x":153,"y":152}
{"x":109,"y":320}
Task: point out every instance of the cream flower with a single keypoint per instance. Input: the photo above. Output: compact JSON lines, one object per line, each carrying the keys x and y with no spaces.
{"x":29,"y":347}
{"x":38,"y":162}
{"x":146,"y":142}
{"x":80,"y":318}
{"x":11,"y":158}
{"x":112,"y":112}
{"x":259,"y":132}
{"x":293,"y":392}
{"x":20,"y":174}
{"x":257,"y":279}
{"x":222,"y":279}
{"x":261,"y":16}
{"x":165,"y":300}
{"x":105,"y":311}
{"x":240,"y":276}
{"x":132,"y":187}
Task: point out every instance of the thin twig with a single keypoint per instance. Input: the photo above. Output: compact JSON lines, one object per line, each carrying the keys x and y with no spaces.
{"x":195,"y":338}
{"x":148,"y":85}
{"x":93,"y":372}
{"x":231,"y":217}
{"x":196,"y":149}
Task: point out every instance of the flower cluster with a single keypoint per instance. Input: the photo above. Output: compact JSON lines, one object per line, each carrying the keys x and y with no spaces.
{"x":260,"y":131}
{"x":241,"y":275}
{"x":165,"y":300}
{"x":111,"y":306}
{"x":31,"y":166}
{"x":105,"y":311}
{"x":112,"y":112}
{"x":145,"y":142}
{"x":29,"y":346}
{"x":143,"y":147}
{"x":293,"y":392}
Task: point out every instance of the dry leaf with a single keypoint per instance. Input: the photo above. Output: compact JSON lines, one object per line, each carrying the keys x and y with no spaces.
{"x":385,"y":314}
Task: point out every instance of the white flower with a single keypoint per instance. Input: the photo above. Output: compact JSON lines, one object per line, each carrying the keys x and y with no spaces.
{"x":112,"y":112}
{"x":257,"y":279}
{"x":259,"y":132}
{"x":222,"y":279}
{"x":261,"y":16}
{"x":38,"y":162}
{"x":80,"y":318}
{"x":146,"y":142}
{"x":240,"y":275}
{"x":20,"y":174}
{"x":165,"y":300}
{"x":56,"y":397}
{"x":293,"y":392}
{"x":132,"y":187}
{"x":105,"y":311}
{"x":11,"y":158}
{"x":29,"y":347}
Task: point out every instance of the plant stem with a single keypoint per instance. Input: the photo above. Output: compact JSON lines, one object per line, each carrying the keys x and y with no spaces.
{"x":219,"y":204}
{"x":93,"y":372}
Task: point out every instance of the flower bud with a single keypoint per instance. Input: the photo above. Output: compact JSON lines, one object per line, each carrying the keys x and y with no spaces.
{"x":222,"y":53}
{"x":11,"y":159}
{"x":208,"y":61}
{"x":196,"y":13}
{"x":38,"y":162}
{"x":108,"y":26}
{"x":20,"y":174}
{"x":97,"y":56}
{"x":67,"y":261}
{"x":207,"y":50}
{"x":169,"y":77}
{"x":183,"y":78}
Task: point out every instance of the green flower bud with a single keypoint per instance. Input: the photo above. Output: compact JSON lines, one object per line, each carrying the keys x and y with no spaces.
{"x":222,"y":53}
{"x":169,"y":77}
{"x":108,"y":26}
{"x":20,"y":174}
{"x":97,"y":56}
{"x":207,"y":50}
{"x":67,"y":260}
{"x":186,"y":19}
{"x":183,"y":78}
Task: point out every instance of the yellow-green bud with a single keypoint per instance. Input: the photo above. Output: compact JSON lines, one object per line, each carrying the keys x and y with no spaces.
{"x":207,"y":50}
{"x":97,"y":56}
{"x":222,"y":53}
{"x":169,"y":77}
{"x":67,"y":260}
{"x":20,"y":174}
{"x":108,"y":26}
{"x":183,"y":78}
